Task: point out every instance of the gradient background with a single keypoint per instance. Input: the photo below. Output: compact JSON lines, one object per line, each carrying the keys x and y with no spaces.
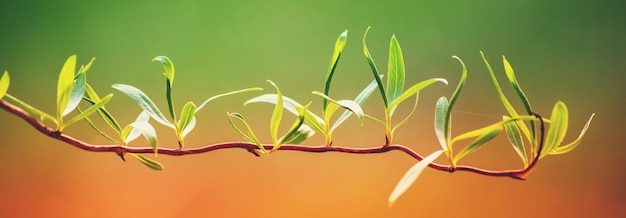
{"x":561,"y":50}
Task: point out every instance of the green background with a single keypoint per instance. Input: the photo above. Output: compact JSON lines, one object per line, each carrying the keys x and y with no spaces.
{"x":561,"y":50}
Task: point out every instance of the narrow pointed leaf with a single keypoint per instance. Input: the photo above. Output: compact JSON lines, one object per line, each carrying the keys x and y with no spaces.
{"x":277,"y":115}
{"x":478,"y":143}
{"x":5,"y":80}
{"x":144,"y":102}
{"x":186,"y":116}
{"x":448,"y":115}
{"x":226,"y":94}
{"x":312,"y":120}
{"x":406,"y":119}
{"x":88,"y":66}
{"x":414,"y":90}
{"x":104,"y":114}
{"x":347,"y":104}
{"x":410,"y":176}
{"x":395,"y":73}
{"x":558,"y":128}
{"x":77,"y":93}
{"x":65,"y":85}
{"x":148,"y":132}
{"x":252,"y":138}
{"x":440,"y":119}
{"x":302,"y":134}
{"x":168,"y":67}
{"x":32,"y":110}
{"x":288,"y":104}
{"x":339,"y":44}
{"x":89,"y":111}
{"x":93,"y":125}
{"x":127,"y":134}
{"x":293,"y":131}
{"x":567,"y":148}
{"x":377,"y":76}
{"x":360,"y":99}
{"x":149,"y":163}
{"x":510,"y":74}
{"x":190,"y":126}
{"x":515,"y":138}
{"x":484,"y":130}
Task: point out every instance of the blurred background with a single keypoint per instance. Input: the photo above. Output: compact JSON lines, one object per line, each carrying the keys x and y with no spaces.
{"x":561,"y":50}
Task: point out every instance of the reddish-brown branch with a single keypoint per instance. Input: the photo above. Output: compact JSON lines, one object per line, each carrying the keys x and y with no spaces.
{"x":120,"y":150}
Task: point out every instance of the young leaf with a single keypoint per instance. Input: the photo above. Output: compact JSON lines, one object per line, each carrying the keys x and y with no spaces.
{"x":190,"y":126}
{"x":347,"y":104}
{"x":277,"y":115}
{"x":131,"y":133}
{"x":514,"y":136}
{"x":303,"y":133}
{"x":89,"y":110}
{"x":252,"y":138}
{"x":410,"y":176}
{"x":479,"y":142}
{"x":292,"y":134}
{"x":32,"y":110}
{"x":360,"y":99}
{"x":65,"y":85}
{"x":312,"y":120}
{"x":144,"y":102}
{"x":448,"y":114}
{"x":104,"y":114}
{"x":412,"y":91}
{"x":168,"y":67}
{"x":186,"y":116}
{"x":226,"y":94}
{"x":558,"y":128}
{"x":288,"y":104}
{"x":395,"y":79}
{"x":377,"y":76}
{"x":406,"y":119}
{"x":93,"y":125}
{"x":148,"y":132}
{"x":5,"y":80}
{"x":440,"y":122}
{"x":567,"y":148}
{"x":149,"y":163}
{"x":339,"y":44}
{"x":484,"y":130}
{"x":77,"y":92}
{"x":510,"y":74}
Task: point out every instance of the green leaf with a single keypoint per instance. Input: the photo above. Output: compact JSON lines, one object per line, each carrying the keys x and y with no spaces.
{"x":277,"y":115}
{"x":410,"y":176}
{"x":507,"y":105}
{"x":89,"y":111}
{"x":292,"y":134}
{"x":144,"y":102}
{"x":312,"y":120}
{"x":104,"y":114}
{"x":377,"y":76}
{"x":32,"y":110}
{"x":350,"y":105}
{"x":186,"y":116}
{"x":514,"y":136}
{"x":190,"y":126}
{"x":65,"y":85}
{"x":558,"y":128}
{"x":455,"y":96}
{"x":413,"y":91}
{"x":93,"y":125}
{"x":148,"y":132}
{"x":252,"y":138}
{"x":567,"y":148}
{"x":339,"y":44}
{"x":288,"y":104}
{"x":482,"y":131}
{"x":479,"y":142}
{"x":149,"y":163}
{"x":360,"y":99}
{"x":440,"y":122}
{"x":303,"y":133}
{"x":406,"y":119}
{"x":395,"y":79}
{"x":5,"y":80}
{"x":77,"y":93}
{"x":510,"y":74}
{"x":168,"y":67}
{"x":226,"y":94}
{"x":87,"y":67}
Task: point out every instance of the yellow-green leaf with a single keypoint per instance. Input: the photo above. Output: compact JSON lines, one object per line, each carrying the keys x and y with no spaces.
{"x":558,"y":128}
{"x":395,"y":73}
{"x":168,"y":67}
{"x":567,"y":148}
{"x":226,"y":94}
{"x":476,"y":144}
{"x":149,"y":163}
{"x":440,"y":120}
{"x":65,"y":85}
{"x":4,"y":84}
{"x":515,"y":138}
{"x":188,"y":113}
{"x":277,"y":115}
{"x":89,"y":111}
{"x":414,"y":90}
{"x":339,"y":44}
{"x":377,"y":76}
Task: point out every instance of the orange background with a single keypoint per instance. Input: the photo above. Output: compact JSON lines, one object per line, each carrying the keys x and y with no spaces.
{"x":562,"y":50}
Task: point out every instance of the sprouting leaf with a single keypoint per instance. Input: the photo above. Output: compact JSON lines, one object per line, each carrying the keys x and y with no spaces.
{"x":288,"y":104}
{"x":413,"y":90}
{"x":510,"y":74}
{"x":190,"y":126}
{"x":339,"y":44}
{"x":65,"y":85}
{"x":144,"y":102}
{"x":186,"y":116}
{"x":32,"y":110}
{"x":395,"y":78}
{"x":168,"y":66}
{"x":448,"y":114}
{"x":226,"y":94}
{"x":312,"y":119}
{"x":514,"y":136}
{"x":479,"y":142}
{"x":347,"y":104}
{"x":484,"y":130}
{"x":377,"y":76}
{"x":77,"y":92}
{"x":93,"y":125}
{"x":558,"y":128}
{"x":148,"y":132}
{"x":406,"y":119}
{"x":87,"y":67}
{"x":92,"y":109}
{"x":149,"y":163}
{"x":5,"y":80}
{"x":104,"y":114}
{"x":440,"y":119}
{"x":410,"y":176}
{"x":567,"y":148}
{"x":252,"y":138}
{"x":292,"y":134}
{"x":277,"y":115}
{"x":360,"y":99}
{"x":303,"y":133}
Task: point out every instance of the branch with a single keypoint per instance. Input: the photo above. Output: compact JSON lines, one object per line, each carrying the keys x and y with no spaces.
{"x":121,"y":150}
